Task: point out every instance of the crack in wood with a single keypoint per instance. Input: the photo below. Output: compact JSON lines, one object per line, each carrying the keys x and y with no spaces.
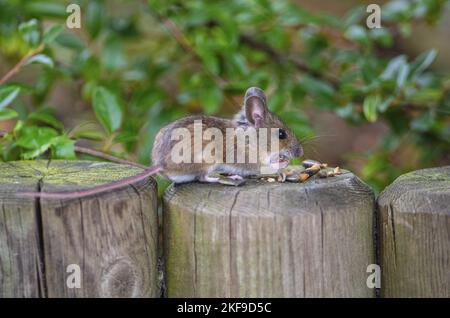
{"x":42,"y":287}
{"x":230,"y":229}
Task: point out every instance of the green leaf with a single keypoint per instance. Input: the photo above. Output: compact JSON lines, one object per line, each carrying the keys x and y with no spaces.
{"x":402,"y":75}
{"x":393,"y":67}
{"x":94,"y":17}
{"x":405,"y":29}
{"x":89,"y":134}
{"x":317,"y":87}
{"x":423,"y":61}
{"x":277,"y":101}
{"x":30,"y":32}
{"x":18,"y":127}
{"x":424,"y":122}
{"x":107,"y":108}
{"x":395,"y":9}
{"x":44,"y":84}
{"x":37,"y":139}
{"x":210,"y":61}
{"x":6,"y":114}
{"x":370,"y":107}
{"x":369,"y":71}
{"x":47,"y":9}
{"x":113,"y":57}
{"x":382,"y":36}
{"x":239,"y":63}
{"x":211,"y":99}
{"x":32,"y":137}
{"x":8,"y":93}
{"x":357,"y":33}
{"x":354,"y":16}
{"x":41,"y":59}
{"x":52,"y":32}
{"x":384,"y":105}
{"x":70,"y":41}
{"x":425,"y":96}
{"x":347,"y":112}
{"x":63,"y":148}
{"x":46,"y":118}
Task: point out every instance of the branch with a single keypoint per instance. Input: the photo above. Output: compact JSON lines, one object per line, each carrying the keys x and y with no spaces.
{"x":283,"y":58}
{"x":102,"y":155}
{"x":183,"y":41}
{"x":21,"y":63}
{"x":96,"y":153}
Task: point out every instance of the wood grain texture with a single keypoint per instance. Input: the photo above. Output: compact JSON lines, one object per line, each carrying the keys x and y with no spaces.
{"x":112,"y":236}
{"x":414,"y":223}
{"x":21,"y":268}
{"x":269,"y":239}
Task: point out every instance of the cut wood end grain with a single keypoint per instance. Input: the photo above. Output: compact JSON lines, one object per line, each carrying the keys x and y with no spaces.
{"x":63,"y":176}
{"x":269,"y":239}
{"x":112,"y":236}
{"x":414,"y":239}
{"x":422,"y":191}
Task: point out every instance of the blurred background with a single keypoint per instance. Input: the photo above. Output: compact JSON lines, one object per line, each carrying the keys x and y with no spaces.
{"x":374,"y":101}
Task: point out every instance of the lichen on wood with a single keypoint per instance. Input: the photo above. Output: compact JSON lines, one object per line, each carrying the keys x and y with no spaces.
{"x":111,"y":236}
{"x":414,"y":223}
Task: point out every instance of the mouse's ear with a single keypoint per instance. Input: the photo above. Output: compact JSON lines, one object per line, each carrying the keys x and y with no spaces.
{"x":255,"y":103}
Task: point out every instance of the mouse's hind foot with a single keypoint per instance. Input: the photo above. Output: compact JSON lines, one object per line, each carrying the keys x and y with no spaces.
{"x":234,"y":180}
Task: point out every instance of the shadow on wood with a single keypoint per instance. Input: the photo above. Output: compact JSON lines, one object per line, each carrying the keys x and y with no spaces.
{"x":112,"y":236}
{"x":312,"y":239}
{"x":414,"y":216}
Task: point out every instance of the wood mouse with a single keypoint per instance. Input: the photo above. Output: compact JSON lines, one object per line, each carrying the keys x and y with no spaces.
{"x":254,"y":115}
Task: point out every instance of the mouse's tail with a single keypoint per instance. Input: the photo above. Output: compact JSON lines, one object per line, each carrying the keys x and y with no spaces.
{"x":106,"y":187}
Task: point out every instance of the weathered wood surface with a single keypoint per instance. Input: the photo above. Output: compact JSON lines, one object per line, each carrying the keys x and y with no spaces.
{"x":313,"y":239}
{"x":111,"y":236}
{"x":414,"y":216}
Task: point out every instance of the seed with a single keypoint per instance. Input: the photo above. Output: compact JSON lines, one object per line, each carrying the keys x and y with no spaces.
{"x":271,"y":180}
{"x":312,"y":170}
{"x":322,"y":174}
{"x":292,"y":177}
{"x":303,"y":177}
{"x":309,"y":163}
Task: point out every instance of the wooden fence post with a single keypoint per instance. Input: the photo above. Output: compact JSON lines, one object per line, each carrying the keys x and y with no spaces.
{"x":312,"y":239}
{"x":414,"y":217}
{"x":110,"y":237}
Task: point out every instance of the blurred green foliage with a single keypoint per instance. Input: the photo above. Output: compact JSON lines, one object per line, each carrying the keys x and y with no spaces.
{"x":139,"y":65}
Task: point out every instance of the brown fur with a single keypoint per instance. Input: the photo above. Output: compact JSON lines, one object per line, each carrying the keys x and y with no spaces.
{"x":254,"y":113}
{"x":161,"y":154}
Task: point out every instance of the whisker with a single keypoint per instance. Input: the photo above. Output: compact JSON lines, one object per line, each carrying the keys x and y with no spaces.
{"x":71,"y":130}
{"x":314,"y":150}
{"x":314,"y":137}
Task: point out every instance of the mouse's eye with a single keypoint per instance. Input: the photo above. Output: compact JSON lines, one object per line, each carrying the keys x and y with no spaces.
{"x":282,"y":134}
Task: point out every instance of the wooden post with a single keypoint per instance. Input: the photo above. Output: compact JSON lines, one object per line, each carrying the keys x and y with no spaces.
{"x":110,"y":237}
{"x":414,"y":216}
{"x":312,"y":239}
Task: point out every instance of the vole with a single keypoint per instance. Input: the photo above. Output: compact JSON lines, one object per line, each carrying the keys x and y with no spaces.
{"x":253,"y":115}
